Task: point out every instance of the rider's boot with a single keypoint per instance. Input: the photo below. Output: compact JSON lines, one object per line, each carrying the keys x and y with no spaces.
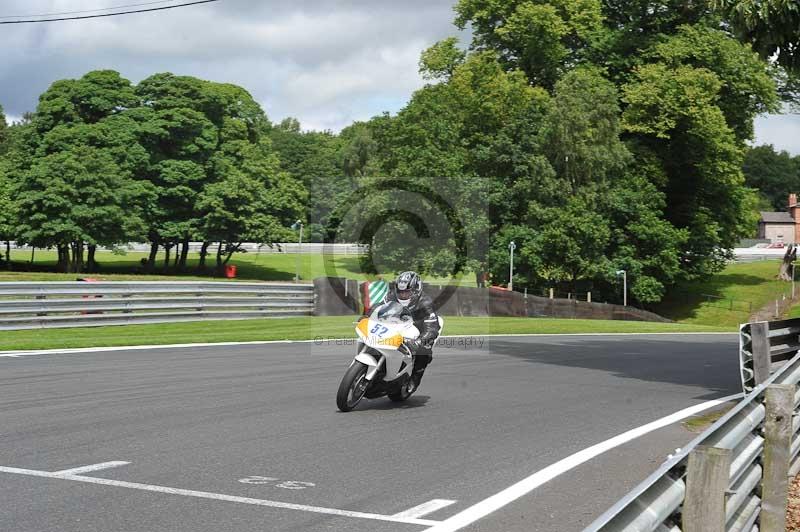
{"x":416,"y":377}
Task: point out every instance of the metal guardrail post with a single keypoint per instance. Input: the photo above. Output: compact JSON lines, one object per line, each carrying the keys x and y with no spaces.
{"x":707,"y":478}
{"x":777,"y":452}
{"x":759,"y":332}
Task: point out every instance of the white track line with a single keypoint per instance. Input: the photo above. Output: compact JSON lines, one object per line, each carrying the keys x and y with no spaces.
{"x":89,"y":468}
{"x":15,"y":354}
{"x":525,"y":486}
{"x":425,"y":508}
{"x":216,"y":496}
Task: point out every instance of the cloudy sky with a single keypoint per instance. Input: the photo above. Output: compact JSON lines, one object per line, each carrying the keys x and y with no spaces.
{"x":326,"y":62}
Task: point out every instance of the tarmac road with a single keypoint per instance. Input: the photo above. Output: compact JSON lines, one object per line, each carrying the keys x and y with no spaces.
{"x":245,"y":438}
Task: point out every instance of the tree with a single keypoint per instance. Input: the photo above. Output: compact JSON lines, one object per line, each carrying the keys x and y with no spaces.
{"x":199,"y":133}
{"x":77,"y":197}
{"x":771,"y":26}
{"x":747,"y":87}
{"x":74,"y":168}
{"x":774,"y":174}
{"x":580,"y":136}
{"x":251,"y":201}
{"x":316,"y":159}
{"x":440,"y":60}
{"x":674,"y":111}
{"x":631,"y":27}
{"x":462,"y":152}
{"x":541,"y":38}
{"x":3,"y":132}
{"x":7,"y":205}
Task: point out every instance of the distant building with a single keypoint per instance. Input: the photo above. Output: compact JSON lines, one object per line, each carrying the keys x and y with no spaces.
{"x":781,"y":227}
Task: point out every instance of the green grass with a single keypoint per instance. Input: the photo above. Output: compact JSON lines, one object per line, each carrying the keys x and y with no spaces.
{"x":701,"y":422}
{"x":742,"y":286}
{"x":250,"y":266}
{"x":305,"y":329}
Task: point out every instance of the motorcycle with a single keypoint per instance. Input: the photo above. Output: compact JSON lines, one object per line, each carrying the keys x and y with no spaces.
{"x":383,"y":363}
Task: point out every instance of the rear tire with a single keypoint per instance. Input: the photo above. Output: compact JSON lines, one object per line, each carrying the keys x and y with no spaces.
{"x":402,"y":394}
{"x":353,"y":387}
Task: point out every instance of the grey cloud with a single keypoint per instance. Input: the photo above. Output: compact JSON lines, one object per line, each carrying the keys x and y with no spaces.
{"x":326,"y":62}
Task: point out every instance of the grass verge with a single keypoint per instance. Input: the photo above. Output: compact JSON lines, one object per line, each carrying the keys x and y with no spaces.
{"x":735,"y":292}
{"x":701,"y":422}
{"x":307,"y":328}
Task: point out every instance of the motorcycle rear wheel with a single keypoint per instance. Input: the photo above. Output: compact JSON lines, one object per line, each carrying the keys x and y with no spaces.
{"x":402,"y":394}
{"x":353,"y":387}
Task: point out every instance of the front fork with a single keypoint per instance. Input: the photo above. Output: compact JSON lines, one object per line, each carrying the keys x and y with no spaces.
{"x":373,"y":364}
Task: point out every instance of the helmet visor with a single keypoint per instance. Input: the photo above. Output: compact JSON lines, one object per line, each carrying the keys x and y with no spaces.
{"x":404,"y":294}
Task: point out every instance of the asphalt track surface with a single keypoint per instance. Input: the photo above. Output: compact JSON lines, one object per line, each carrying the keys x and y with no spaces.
{"x":229,"y":439}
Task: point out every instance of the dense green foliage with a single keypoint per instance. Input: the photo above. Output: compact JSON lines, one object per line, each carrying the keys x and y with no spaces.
{"x":172,"y":160}
{"x":7,"y":206}
{"x":774,"y":174}
{"x":772,"y":26}
{"x":598,"y":135}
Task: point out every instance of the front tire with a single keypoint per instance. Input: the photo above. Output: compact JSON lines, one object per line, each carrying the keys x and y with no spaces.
{"x":353,"y":387}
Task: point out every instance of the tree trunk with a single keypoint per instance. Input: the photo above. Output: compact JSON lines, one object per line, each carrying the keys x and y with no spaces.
{"x":8,"y":254}
{"x":151,"y":260}
{"x":184,"y":255}
{"x":167,"y":248}
{"x":232,"y":250}
{"x":80,"y":268}
{"x":63,"y":258}
{"x":72,"y":250}
{"x":177,"y":256}
{"x":91,"y":264}
{"x":785,"y":267}
{"x":203,"y":253}
{"x":219,"y":259}
{"x":77,"y":257}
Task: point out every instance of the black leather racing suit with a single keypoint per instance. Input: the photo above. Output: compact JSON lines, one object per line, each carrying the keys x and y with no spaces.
{"x":427,"y":321}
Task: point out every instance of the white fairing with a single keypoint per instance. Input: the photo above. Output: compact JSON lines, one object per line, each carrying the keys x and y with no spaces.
{"x":369,"y":361}
{"x":385,"y":335}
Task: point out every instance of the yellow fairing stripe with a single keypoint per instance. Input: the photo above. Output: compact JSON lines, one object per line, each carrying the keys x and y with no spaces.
{"x":395,"y":341}
{"x":363,"y":326}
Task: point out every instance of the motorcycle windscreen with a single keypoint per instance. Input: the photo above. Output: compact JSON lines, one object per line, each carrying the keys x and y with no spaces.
{"x":392,"y":312}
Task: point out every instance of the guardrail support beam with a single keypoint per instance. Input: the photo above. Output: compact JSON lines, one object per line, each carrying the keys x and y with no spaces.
{"x":759,"y":333}
{"x":707,"y":476}
{"x":777,"y":452}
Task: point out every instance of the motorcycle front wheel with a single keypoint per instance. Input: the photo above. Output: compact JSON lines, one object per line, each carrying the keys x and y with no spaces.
{"x":353,"y":387}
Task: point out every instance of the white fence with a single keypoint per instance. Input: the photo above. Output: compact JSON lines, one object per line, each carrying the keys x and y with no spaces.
{"x":253,"y":247}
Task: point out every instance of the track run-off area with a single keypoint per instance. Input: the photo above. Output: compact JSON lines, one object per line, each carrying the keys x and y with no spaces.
{"x":505,"y":433}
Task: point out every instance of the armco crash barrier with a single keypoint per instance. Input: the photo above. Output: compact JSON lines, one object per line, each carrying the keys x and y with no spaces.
{"x":331,"y":300}
{"x":34,"y":305}
{"x":25,"y":305}
{"x":733,"y":476}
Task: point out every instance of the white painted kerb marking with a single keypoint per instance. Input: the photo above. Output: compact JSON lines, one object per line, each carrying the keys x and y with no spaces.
{"x":425,"y":508}
{"x":77,"y":350}
{"x":215,"y":496}
{"x":525,"y":486}
{"x":89,"y":468}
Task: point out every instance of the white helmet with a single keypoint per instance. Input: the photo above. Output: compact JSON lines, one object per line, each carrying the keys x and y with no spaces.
{"x":408,"y":288}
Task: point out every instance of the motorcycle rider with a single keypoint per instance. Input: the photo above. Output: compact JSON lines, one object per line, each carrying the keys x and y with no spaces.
{"x":407,"y":290}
